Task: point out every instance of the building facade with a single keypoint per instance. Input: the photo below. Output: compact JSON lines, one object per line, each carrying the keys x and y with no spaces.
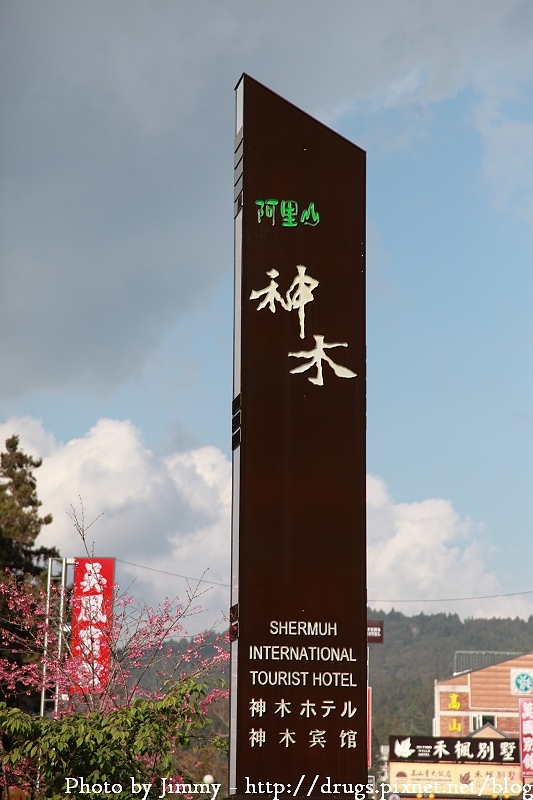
{"x":468,"y":701}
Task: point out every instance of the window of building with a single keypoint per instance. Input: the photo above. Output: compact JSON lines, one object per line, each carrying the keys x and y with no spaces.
{"x":478,"y":720}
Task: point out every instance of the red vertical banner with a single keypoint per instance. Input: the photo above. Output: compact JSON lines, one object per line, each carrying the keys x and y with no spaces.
{"x":92,"y":610}
{"x":525,"y":713}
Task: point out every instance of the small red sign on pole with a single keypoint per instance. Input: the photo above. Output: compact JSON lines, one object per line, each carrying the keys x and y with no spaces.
{"x":374,"y":631}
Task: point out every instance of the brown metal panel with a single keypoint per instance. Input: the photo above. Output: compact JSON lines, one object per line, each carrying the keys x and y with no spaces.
{"x":299,"y":557}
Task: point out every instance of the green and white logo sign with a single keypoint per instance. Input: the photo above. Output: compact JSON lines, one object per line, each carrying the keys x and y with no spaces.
{"x":522,"y":681}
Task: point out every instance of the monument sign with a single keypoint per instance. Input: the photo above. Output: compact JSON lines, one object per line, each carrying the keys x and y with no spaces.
{"x":298,"y":616}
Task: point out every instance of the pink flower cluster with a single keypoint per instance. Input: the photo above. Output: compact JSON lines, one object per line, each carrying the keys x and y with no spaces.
{"x":146,"y":659}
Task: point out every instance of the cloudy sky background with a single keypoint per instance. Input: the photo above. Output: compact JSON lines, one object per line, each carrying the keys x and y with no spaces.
{"x":116,"y":257}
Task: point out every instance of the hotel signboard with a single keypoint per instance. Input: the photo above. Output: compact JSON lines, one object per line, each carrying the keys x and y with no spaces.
{"x":298,"y":616}
{"x":448,"y":766}
{"x":374,"y":631}
{"x":452,"y":750}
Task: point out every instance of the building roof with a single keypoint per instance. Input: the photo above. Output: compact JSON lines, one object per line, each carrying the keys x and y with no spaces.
{"x":468,"y":660}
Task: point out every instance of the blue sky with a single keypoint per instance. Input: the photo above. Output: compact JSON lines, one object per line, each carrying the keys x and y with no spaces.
{"x":116,"y":257}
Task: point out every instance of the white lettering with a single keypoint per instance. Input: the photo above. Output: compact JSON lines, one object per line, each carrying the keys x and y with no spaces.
{"x":278,"y":678}
{"x":302,"y":628}
{"x":136,"y":788}
{"x":276,"y":652}
{"x":94,"y":788}
{"x":333,"y":679}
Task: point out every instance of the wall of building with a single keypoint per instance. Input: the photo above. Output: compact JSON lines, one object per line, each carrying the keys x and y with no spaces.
{"x":464,"y":703}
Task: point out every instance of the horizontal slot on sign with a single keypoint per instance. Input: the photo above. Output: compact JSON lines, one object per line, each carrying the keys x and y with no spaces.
{"x":238,"y":153}
{"x":237,"y":205}
{"x":236,"y":422}
{"x":238,"y":187}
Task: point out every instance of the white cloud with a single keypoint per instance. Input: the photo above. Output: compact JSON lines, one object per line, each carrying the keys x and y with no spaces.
{"x":424,"y":551}
{"x":172,"y":515}
{"x":508,"y":157}
{"x":33,"y":437}
{"x":168,"y":514}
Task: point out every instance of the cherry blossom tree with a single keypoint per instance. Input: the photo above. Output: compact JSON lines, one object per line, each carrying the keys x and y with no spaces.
{"x":154,"y":701}
{"x":149,"y":649}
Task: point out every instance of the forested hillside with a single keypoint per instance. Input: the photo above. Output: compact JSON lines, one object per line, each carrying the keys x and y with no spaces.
{"x":417,"y":650}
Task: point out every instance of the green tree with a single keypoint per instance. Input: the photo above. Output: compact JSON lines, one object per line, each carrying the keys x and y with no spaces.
{"x":20,"y":522}
{"x":135,"y":743}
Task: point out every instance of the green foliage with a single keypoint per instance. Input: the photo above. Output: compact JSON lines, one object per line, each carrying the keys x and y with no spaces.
{"x":136,"y":742}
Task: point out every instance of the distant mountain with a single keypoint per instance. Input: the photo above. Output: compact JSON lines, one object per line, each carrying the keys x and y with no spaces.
{"x":416,"y":651}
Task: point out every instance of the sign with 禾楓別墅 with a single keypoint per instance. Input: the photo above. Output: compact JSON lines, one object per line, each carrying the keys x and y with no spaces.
{"x":450,"y":766}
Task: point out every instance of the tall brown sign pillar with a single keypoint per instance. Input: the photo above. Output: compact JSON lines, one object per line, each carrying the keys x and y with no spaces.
{"x":298,"y":617}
